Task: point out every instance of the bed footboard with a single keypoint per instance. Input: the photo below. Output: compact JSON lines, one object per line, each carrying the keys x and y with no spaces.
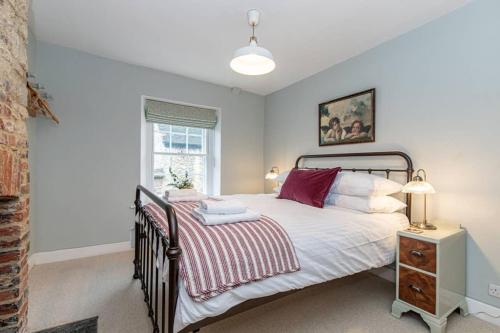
{"x":153,"y":245}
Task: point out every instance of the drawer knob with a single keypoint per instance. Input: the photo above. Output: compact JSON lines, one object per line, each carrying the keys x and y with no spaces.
{"x":416,"y":253}
{"x":415,"y":288}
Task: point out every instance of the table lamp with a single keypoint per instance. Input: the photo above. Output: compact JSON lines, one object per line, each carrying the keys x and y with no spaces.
{"x":273,"y":173}
{"x":419,"y":185}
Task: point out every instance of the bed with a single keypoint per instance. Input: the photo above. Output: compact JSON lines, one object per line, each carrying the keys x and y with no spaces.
{"x":330,"y":243}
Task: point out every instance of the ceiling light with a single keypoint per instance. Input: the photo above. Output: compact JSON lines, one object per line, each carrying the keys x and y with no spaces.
{"x":253,"y":59}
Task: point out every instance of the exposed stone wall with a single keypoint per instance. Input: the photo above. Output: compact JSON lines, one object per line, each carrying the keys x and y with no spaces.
{"x":14,"y":175}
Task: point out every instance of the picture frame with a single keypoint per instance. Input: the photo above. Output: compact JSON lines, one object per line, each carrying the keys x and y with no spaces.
{"x":348,"y":119}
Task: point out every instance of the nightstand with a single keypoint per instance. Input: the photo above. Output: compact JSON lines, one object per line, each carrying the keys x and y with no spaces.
{"x":430,"y":275}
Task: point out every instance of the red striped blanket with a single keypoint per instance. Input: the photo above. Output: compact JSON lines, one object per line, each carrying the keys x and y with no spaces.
{"x":218,"y":258}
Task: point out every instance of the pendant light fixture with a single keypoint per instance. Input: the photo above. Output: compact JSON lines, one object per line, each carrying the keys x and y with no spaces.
{"x":253,"y":59}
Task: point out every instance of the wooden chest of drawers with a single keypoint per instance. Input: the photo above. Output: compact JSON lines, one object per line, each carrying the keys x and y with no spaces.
{"x":431,"y":275}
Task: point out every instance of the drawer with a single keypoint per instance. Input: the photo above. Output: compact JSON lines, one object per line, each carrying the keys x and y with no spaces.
{"x":417,"y":253}
{"x":418,"y":289}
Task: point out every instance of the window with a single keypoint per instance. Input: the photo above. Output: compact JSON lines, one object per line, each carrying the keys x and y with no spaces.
{"x":182,"y":149}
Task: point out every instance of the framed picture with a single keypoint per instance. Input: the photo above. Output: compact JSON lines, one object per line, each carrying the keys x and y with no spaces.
{"x":349,"y":119}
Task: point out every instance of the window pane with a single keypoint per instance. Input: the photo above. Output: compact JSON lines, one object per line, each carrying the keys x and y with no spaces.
{"x":172,"y":146}
{"x":194,"y":165}
{"x":195,"y":145}
{"x":161,"y":142}
{"x":172,"y":139}
{"x":162,"y":128}
{"x":178,"y":143}
{"x":161,"y":138}
{"x":195,"y":130}
{"x":165,"y":143}
{"x":179,"y":129}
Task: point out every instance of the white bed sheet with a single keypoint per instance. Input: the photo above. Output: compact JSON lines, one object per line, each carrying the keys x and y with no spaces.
{"x":330,"y":243}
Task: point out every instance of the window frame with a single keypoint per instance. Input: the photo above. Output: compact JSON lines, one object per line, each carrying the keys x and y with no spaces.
{"x":209,"y":163}
{"x":214,"y":146}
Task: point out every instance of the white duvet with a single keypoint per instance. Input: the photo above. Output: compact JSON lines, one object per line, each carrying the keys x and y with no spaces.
{"x":330,"y":243}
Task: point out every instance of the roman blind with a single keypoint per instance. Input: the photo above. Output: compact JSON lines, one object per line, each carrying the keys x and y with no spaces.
{"x":180,"y":115}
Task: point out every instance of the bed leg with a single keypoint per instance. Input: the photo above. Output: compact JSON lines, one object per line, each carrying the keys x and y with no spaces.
{"x":136,"y":251}
{"x":173,"y":292}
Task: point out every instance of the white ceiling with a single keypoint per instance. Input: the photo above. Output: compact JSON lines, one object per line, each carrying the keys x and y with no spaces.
{"x":196,"y":38}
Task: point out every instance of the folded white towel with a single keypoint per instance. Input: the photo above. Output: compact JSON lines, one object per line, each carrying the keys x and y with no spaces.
{"x":214,"y":219}
{"x":185,"y":192}
{"x":222,"y":207}
{"x":197,"y":197}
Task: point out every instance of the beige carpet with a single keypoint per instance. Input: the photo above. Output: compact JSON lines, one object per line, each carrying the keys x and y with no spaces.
{"x":103,"y":286}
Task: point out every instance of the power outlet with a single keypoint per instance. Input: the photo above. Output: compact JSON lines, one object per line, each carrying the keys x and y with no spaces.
{"x":494,"y":290}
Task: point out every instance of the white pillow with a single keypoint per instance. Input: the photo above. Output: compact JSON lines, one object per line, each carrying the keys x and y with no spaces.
{"x":282,"y":177}
{"x":363,"y":184}
{"x":378,"y":204}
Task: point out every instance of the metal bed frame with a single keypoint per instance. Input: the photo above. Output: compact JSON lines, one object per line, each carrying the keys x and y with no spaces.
{"x":153,"y":244}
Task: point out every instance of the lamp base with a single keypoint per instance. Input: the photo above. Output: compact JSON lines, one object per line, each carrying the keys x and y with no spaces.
{"x":423,"y":225}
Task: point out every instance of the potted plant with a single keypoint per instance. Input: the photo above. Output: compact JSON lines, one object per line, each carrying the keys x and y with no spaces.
{"x":181,"y":182}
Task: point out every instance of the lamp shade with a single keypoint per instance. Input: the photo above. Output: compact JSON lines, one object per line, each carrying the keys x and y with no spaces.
{"x":418,"y":187}
{"x":273,"y":173}
{"x":252,"y":60}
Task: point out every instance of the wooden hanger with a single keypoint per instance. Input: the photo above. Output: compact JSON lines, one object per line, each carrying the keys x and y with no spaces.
{"x":38,"y":105}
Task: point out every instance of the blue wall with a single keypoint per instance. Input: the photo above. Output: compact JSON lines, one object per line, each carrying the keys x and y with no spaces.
{"x":87,"y":167}
{"x":438,"y":98}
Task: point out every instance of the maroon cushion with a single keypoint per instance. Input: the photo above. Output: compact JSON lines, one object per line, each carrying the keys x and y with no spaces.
{"x":308,"y":186}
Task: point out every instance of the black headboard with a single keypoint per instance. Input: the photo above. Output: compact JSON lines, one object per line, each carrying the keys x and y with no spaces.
{"x":397,"y":154}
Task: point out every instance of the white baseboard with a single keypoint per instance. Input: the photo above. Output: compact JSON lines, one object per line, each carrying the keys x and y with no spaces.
{"x":76,"y":253}
{"x":484,"y":311}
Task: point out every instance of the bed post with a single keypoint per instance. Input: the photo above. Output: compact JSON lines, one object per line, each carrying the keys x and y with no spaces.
{"x":409,"y":176}
{"x":173,"y":253}
{"x":408,"y":195}
{"x":137,"y":204}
